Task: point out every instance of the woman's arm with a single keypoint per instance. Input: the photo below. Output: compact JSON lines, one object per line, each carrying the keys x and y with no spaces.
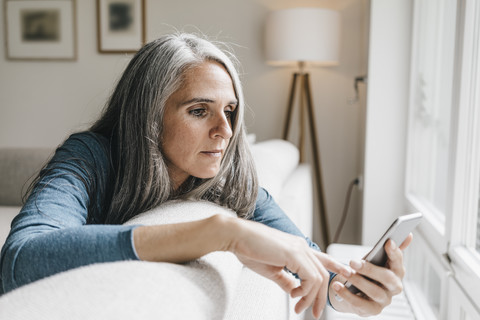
{"x":181,"y":242}
{"x":50,"y":234}
{"x":265,"y":250}
{"x":267,"y":245}
{"x":270,"y":214}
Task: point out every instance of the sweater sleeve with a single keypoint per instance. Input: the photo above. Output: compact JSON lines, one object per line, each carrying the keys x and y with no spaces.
{"x":269,"y":213}
{"x":51,"y":234}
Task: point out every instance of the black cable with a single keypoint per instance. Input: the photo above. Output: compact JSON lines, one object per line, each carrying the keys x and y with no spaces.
{"x":354,"y":182}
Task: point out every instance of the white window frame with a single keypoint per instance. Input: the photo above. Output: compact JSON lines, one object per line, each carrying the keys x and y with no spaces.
{"x":434,"y":223}
{"x":466,"y":182}
{"x":462,"y":307}
{"x":448,"y":245}
{"x":419,"y":279}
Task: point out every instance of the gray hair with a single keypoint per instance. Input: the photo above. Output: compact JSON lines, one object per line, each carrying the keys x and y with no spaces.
{"x":133,"y":118}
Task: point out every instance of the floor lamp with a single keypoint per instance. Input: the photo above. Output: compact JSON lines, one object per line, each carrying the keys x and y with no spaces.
{"x":304,"y":37}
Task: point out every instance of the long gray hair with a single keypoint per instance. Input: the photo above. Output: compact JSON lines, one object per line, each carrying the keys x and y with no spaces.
{"x":133,"y":121}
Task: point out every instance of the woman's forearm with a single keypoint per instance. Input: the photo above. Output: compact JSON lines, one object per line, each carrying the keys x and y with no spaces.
{"x":36,"y":252}
{"x":39,"y":251}
{"x":183,"y":242}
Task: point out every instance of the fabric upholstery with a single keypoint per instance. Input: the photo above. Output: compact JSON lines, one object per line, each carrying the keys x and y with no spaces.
{"x":17,"y":167}
{"x":201,"y":289}
{"x":275,"y":161}
{"x":217,"y":286}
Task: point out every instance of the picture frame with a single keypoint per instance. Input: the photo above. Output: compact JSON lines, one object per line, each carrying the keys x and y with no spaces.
{"x":40,"y":29}
{"x":120,"y":25}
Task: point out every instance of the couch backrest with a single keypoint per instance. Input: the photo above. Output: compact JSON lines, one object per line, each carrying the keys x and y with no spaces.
{"x":18,"y":167}
{"x":275,"y":161}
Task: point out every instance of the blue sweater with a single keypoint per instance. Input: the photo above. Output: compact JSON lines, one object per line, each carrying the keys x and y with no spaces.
{"x":58,"y":228}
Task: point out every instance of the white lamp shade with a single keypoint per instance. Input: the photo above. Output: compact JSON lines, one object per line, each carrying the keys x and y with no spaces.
{"x":302,"y":35}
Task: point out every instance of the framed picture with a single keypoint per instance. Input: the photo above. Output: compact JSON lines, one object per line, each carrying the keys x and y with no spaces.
{"x":121,"y":25}
{"x":40,"y":29}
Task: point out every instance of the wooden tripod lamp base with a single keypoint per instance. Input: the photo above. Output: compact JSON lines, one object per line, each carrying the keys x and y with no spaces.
{"x":305,"y":106}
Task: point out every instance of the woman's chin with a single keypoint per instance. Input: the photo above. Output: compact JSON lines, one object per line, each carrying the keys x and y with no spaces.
{"x":207,"y":174}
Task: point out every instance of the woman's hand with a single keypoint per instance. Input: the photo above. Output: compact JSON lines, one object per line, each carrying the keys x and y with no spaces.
{"x":268,"y":251}
{"x":377,"y":294}
{"x":265,"y":250}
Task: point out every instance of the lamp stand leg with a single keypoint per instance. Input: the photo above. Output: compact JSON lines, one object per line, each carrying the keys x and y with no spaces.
{"x":301,"y":138}
{"x":306,"y":103}
{"x":316,"y":161}
{"x":293,"y":86}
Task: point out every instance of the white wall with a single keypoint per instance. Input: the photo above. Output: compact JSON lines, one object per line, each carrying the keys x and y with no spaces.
{"x":387,"y":105}
{"x":42,"y":102}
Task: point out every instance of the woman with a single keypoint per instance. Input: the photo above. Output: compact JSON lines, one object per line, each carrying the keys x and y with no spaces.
{"x":172,"y":129}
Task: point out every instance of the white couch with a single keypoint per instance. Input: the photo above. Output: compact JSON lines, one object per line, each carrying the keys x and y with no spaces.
{"x":216,"y":286}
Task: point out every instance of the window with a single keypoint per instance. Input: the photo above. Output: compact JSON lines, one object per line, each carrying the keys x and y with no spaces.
{"x":443,"y":156}
{"x":431,"y":107}
{"x":477,"y":243}
{"x":431,"y":117}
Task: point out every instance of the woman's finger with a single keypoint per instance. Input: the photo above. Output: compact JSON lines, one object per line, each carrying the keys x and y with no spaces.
{"x":318,"y":307}
{"x":395,"y":259}
{"x":333,"y":265}
{"x":359,"y":305}
{"x":321,"y":297}
{"x":314,"y":288}
{"x":283,"y":280}
{"x":373,"y":290}
{"x":307,"y":274}
{"x":303,"y":303}
{"x":406,"y":242}
{"x":308,"y":299}
{"x":276,"y":274}
{"x":385,"y":279}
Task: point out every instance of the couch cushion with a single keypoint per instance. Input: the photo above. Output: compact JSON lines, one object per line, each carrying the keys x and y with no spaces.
{"x":275,"y":160}
{"x":6,"y":216}
{"x":260,"y":298}
{"x":17,"y":167}
{"x":296,"y":198}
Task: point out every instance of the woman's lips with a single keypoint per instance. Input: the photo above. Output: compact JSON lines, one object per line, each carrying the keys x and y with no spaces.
{"x":213,"y":153}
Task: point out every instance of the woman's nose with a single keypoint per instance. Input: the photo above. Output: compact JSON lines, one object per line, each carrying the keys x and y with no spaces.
{"x":221,"y":127}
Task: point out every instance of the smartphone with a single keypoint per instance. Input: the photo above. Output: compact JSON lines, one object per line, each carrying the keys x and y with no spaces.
{"x":398,"y":232}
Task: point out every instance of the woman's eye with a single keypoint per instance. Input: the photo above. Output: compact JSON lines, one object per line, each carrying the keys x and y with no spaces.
{"x":198,"y":112}
{"x":229,"y":112}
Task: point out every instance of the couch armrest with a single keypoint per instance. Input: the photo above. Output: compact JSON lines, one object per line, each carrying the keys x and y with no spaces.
{"x":17,"y":167}
{"x":6,"y":216}
{"x":296,"y":198}
{"x":275,"y":161}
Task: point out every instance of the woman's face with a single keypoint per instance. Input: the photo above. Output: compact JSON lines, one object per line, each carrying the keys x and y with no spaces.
{"x":197,"y":123}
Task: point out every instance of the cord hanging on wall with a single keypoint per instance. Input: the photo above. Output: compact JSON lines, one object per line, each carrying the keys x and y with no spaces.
{"x":356,"y":181}
{"x":363,"y":79}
